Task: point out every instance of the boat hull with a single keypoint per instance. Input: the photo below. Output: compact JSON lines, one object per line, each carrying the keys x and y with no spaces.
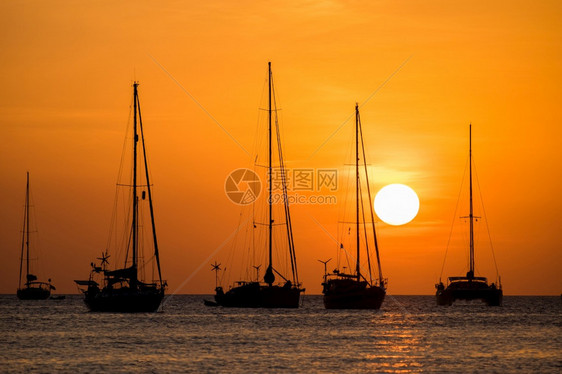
{"x":466,"y":290}
{"x":127,"y":301}
{"x":351,"y":294}
{"x":254,"y":295}
{"x":33,"y":293}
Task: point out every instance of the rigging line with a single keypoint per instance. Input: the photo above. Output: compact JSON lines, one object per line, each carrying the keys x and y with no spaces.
{"x":366,"y":237}
{"x":203,"y":263}
{"x":281,"y":275}
{"x":249,"y":250}
{"x":370,"y":205}
{"x":256,"y":146}
{"x":156,"y":253}
{"x":453,"y":221}
{"x":486,"y":219}
{"x":257,"y":138}
{"x":119,"y":175}
{"x":346,"y":230}
{"x":231,"y":254}
{"x":289,"y":226}
{"x":360,"y":106}
{"x":346,"y":197}
{"x":253,"y":227}
{"x":37,"y":248}
{"x":290,"y":237}
{"x":347,"y":254}
{"x":323,"y":229}
{"x":128,"y":243}
{"x":23,"y":236}
{"x":125,"y":239}
{"x":245,"y":255}
{"x":198,"y":104}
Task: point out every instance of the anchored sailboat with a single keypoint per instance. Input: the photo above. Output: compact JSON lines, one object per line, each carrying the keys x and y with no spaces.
{"x":353,"y":290}
{"x":123,"y":289}
{"x":268,"y":294}
{"x":469,"y":287}
{"x":32,"y":288}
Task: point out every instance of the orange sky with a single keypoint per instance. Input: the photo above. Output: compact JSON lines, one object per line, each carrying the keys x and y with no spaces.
{"x":66,"y":70}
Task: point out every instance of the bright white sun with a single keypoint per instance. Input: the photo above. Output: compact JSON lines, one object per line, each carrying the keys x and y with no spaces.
{"x":396,"y":204}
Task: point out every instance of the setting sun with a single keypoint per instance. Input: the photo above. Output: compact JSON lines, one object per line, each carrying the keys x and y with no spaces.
{"x":396,"y":204}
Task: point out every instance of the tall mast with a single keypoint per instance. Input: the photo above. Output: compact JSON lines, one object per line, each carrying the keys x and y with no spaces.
{"x":270,"y":184}
{"x":27,"y":224}
{"x":358,"y":265}
{"x":471,"y":215}
{"x":269,"y":277}
{"x":135,"y":197}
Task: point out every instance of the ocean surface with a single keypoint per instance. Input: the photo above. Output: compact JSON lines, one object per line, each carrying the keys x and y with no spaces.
{"x":409,"y":334}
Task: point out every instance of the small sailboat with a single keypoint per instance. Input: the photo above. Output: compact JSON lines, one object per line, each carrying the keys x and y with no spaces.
{"x":354,"y":290}
{"x":32,"y":288}
{"x":469,"y":287}
{"x":123,"y":289}
{"x":268,"y":294}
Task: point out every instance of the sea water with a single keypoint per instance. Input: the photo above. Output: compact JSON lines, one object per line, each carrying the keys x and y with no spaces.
{"x":409,"y":334}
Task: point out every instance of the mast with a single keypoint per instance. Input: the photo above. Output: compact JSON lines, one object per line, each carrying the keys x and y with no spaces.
{"x":358,"y":265}
{"x":27,"y":224}
{"x":135,"y":197}
{"x":471,"y":214}
{"x":269,"y":277}
{"x":269,"y":166}
{"x":22,"y":244}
